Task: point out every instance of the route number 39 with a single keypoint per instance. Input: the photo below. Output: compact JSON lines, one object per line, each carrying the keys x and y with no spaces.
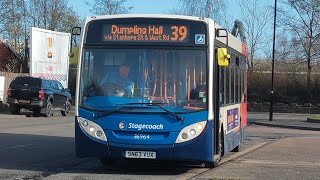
{"x":178,"y":33}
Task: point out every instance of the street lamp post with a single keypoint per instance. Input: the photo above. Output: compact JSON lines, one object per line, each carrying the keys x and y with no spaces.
{"x":272,"y":71}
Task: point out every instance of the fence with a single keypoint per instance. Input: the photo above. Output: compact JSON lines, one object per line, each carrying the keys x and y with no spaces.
{"x":8,"y":78}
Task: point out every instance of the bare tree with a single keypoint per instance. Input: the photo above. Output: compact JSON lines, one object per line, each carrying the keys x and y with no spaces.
{"x":302,"y":20}
{"x":11,"y":19}
{"x":13,"y":66}
{"x":108,"y":7}
{"x":52,"y":14}
{"x":256,"y":20}
{"x":18,"y":16}
{"x":214,"y":9}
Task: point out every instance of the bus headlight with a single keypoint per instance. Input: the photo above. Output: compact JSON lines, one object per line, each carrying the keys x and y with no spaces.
{"x":191,"y":132}
{"x":199,"y":126}
{"x":92,"y":129}
{"x":84,"y":123}
{"x":184,"y":135}
{"x":99,"y":133}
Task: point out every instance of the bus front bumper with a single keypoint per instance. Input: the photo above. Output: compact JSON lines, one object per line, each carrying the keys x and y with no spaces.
{"x":198,"y":149}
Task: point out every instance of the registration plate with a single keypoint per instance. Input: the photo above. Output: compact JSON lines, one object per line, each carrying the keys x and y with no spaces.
{"x":24,"y":101}
{"x":141,"y":154}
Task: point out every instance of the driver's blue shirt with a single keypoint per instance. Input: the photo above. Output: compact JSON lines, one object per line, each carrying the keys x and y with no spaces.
{"x":114,"y":78}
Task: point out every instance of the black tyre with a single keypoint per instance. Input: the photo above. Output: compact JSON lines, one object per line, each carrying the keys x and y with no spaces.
{"x":14,"y":110}
{"x":210,"y":164}
{"x":66,"y":109}
{"x":48,"y":109}
{"x":36,"y":112}
{"x":222,"y":142}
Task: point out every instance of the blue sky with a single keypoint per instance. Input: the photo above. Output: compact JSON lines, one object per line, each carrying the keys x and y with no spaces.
{"x":139,"y":6}
{"x":147,"y":6}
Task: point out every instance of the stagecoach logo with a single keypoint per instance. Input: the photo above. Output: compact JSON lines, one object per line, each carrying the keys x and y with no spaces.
{"x":122,"y":125}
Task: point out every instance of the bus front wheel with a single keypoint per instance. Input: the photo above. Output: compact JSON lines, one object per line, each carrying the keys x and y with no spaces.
{"x":213,"y":164}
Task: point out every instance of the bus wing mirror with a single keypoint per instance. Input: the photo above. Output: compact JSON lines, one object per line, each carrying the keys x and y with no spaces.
{"x":223,"y":57}
{"x":76,"y":31}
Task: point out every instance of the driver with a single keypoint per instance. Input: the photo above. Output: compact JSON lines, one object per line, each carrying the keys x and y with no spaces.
{"x":120,"y":78}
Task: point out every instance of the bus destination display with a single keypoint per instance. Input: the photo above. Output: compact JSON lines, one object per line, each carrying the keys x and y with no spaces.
{"x":146,"y":33}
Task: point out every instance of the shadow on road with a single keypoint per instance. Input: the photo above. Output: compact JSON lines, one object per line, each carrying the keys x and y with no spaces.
{"x":52,"y":155}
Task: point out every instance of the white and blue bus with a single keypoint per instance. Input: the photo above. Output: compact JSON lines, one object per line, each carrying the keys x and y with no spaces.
{"x":187,"y":95}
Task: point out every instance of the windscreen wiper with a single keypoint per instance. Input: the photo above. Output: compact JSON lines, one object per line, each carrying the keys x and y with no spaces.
{"x":105,"y":112}
{"x":158,"y":105}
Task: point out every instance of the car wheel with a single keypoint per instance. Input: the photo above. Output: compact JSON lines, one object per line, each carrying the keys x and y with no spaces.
{"x":36,"y":112}
{"x":48,"y":111}
{"x":14,"y":110}
{"x":66,"y":109}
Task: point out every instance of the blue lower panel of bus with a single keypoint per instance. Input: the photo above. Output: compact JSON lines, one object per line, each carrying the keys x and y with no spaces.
{"x":118,"y":151}
{"x":87,"y":147}
{"x":232,"y":139}
{"x":198,"y":149}
{"x":244,"y":133}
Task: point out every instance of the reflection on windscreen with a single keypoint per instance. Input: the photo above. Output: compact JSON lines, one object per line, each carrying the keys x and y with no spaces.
{"x":116,"y":76}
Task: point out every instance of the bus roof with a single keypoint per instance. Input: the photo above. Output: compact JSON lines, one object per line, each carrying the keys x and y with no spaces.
{"x":146,"y":16}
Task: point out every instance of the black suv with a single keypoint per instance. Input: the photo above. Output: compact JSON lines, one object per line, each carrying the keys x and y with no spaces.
{"x":38,"y":95}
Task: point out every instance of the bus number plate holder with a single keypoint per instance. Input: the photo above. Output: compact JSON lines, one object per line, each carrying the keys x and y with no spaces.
{"x":141,"y":154}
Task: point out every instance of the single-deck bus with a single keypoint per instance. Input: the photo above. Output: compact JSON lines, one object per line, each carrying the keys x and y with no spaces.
{"x":162,"y":87}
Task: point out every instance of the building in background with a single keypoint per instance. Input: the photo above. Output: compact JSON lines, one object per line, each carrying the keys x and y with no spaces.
{"x":6,"y":54}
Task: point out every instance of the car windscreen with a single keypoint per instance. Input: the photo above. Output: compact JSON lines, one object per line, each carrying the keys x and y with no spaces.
{"x":26,"y":81}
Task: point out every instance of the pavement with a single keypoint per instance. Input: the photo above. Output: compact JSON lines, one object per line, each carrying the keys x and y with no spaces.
{"x":283,"y":120}
{"x":292,"y":158}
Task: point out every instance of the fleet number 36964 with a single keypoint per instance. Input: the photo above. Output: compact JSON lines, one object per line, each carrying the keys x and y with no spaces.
{"x":141,"y":136}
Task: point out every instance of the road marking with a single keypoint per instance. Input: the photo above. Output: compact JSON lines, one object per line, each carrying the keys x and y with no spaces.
{"x":16,"y":147}
{"x":280,"y":163}
{"x":193,"y":173}
{"x":197,"y":171}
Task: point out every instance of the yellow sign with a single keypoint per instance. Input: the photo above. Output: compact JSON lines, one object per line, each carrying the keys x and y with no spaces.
{"x":223,"y":57}
{"x":74,"y":55}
